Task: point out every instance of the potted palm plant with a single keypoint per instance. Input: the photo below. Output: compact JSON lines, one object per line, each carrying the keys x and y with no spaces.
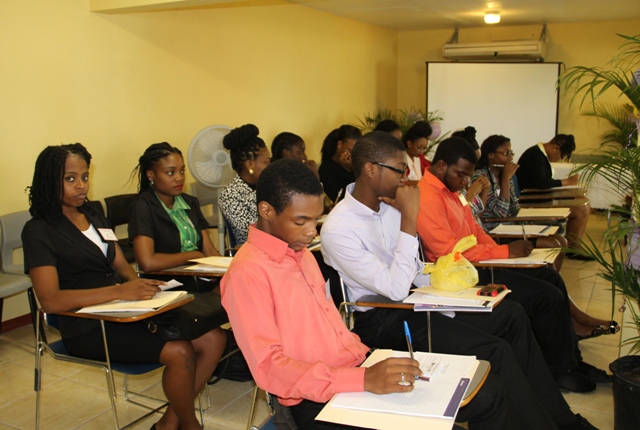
{"x":618,"y":162}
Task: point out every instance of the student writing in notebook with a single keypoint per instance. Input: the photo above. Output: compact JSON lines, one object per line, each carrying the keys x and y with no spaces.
{"x":444,"y":218}
{"x":286,"y":325}
{"x":370,"y":239}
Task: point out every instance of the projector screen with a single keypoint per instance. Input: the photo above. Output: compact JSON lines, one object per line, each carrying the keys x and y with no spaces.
{"x":516,"y":100}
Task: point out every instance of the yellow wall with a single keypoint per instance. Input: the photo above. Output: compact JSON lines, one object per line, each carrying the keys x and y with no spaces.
{"x":587,"y":44}
{"x":118,"y":83}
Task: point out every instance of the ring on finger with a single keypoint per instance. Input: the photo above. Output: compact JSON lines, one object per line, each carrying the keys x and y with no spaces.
{"x":402,"y":377}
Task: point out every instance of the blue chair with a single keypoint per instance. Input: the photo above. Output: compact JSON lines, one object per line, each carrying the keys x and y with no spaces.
{"x":59,"y":352}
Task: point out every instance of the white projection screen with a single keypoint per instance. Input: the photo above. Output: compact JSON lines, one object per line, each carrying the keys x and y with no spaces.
{"x":517,"y":100}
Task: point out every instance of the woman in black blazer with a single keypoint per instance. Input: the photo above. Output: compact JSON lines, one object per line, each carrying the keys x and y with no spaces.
{"x":73,"y":259}
{"x":166,"y":226}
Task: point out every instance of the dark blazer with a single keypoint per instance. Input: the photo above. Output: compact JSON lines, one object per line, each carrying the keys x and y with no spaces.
{"x":535,"y":170}
{"x":148,"y":218}
{"x":79,"y":262}
{"x":334,"y":177}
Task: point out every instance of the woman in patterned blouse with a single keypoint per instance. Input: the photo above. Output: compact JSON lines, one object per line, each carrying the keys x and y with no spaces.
{"x":249,"y":157}
{"x":496,"y":163}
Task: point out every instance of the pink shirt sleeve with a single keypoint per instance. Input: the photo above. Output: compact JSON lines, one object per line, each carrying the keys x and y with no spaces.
{"x":249,"y":304}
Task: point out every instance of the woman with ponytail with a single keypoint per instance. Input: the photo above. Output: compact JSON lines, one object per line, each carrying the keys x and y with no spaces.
{"x":249,"y":157}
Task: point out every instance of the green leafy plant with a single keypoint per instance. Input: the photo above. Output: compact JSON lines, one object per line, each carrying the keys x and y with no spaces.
{"x":618,"y":162}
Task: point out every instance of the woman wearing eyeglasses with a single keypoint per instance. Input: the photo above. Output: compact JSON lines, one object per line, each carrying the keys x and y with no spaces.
{"x":496,"y":163}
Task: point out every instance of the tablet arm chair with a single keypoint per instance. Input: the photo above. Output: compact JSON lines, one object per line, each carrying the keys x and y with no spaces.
{"x":58,"y":351}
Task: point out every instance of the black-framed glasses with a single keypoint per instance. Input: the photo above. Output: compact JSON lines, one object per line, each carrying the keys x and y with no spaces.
{"x":402,"y":172}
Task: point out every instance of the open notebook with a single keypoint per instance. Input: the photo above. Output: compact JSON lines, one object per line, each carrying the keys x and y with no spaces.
{"x":210,"y":264}
{"x":160,"y":300}
{"x":438,"y":398}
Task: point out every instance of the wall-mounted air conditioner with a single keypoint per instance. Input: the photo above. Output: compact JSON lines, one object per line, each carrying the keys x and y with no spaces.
{"x":516,"y":49}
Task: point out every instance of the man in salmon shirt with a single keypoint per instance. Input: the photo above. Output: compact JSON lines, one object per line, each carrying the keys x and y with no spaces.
{"x":445,"y":217}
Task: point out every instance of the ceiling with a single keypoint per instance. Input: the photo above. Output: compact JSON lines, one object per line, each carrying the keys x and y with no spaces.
{"x":432,"y":14}
{"x":415,"y":14}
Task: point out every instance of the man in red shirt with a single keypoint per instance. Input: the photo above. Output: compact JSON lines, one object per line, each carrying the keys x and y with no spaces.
{"x":445,"y":217}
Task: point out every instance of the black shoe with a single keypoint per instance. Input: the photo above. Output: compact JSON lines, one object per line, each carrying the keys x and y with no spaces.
{"x":575,"y":382}
{"x":593,"y":373}
{"x":580,"y":423}
{"x":579,"y":257}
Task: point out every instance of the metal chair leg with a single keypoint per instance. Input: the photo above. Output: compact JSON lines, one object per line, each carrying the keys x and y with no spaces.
{"x":253,"y":406}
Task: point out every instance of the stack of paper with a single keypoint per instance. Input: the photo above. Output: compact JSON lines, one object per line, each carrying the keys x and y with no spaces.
{"x":530,"y":230}
{"x":211,"y":264}
{"x":160,"y":300}
{"x":468,"y":300}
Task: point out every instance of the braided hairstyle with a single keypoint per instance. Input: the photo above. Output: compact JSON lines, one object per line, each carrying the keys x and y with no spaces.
{"x":243,"y":144}
{"x":284,"y":140}
{"x":342,"y":133}
{"x":148,"y":160}
{"x":46,"y":190}
{"x":489,"y":146}
{"x":469,"y":134}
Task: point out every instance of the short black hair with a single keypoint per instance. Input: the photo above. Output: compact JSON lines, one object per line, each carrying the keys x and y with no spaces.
{"x":567,"y":144}
{"x":280,"y":180}
{"x":375,"y":146}
{"x":387,"y":125}
{"x":451,"y":150}
{"x":416,"y":131}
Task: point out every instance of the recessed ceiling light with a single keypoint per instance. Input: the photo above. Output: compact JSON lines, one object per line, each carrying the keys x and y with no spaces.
{"x":492,"y":17}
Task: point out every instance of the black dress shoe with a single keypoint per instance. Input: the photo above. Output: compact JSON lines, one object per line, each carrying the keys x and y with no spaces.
{"x":574,"y":382}
{"x":593,"y":373}
{"x":580,"y":423}
{"x":578,"y":257}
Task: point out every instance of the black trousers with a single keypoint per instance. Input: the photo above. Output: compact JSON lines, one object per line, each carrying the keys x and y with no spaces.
{"x":543,"y":295}
{"x":520,"y":391}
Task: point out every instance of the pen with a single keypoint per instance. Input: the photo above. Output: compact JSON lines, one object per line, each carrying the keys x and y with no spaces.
{"x":340,"y":191}
{"x":497,"y":165}
{"x":524,"y":235}
{"x":407,"y":335}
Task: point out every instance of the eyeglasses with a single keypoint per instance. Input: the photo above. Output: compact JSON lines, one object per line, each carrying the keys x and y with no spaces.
{"x":506,"y":153}
{"x":402,"y":172}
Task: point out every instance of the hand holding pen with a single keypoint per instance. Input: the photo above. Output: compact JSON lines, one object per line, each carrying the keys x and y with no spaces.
{"x":407,"y":335}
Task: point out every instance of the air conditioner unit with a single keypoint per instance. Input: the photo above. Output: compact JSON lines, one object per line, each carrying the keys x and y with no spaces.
{"x":509,"y":50}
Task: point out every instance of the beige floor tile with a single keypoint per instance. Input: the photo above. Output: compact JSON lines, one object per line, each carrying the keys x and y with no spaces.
{"x":600,"y":400}
{"x":20,"y":381}
{"x":236,"y":415}
{"x":600,"y":420}
{"x":598,"y":355}
{"x":65,"y":404}
{"x":14,"y":351}
{"x":225,"y":392}
{"x":127,"y":413}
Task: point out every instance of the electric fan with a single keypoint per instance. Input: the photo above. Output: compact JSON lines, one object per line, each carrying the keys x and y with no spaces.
{"x":210,"y":164}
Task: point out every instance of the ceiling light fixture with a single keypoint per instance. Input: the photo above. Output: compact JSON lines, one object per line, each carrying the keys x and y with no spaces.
{"x":492,"y":17}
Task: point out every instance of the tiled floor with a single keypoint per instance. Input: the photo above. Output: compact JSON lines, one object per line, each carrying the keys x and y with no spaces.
{"x":75,"y":397}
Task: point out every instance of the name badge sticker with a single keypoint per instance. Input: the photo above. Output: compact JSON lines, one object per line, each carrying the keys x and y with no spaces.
{"x":463,"y":199}
{"x":107,"y":235}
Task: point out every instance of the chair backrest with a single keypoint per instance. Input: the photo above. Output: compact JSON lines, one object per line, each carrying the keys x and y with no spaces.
{"x":230,"y":237}
{"x":97,"y":207}
{"x":119,"y":208}
{"x":12,"y":225}
{"x":207,"y":196}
